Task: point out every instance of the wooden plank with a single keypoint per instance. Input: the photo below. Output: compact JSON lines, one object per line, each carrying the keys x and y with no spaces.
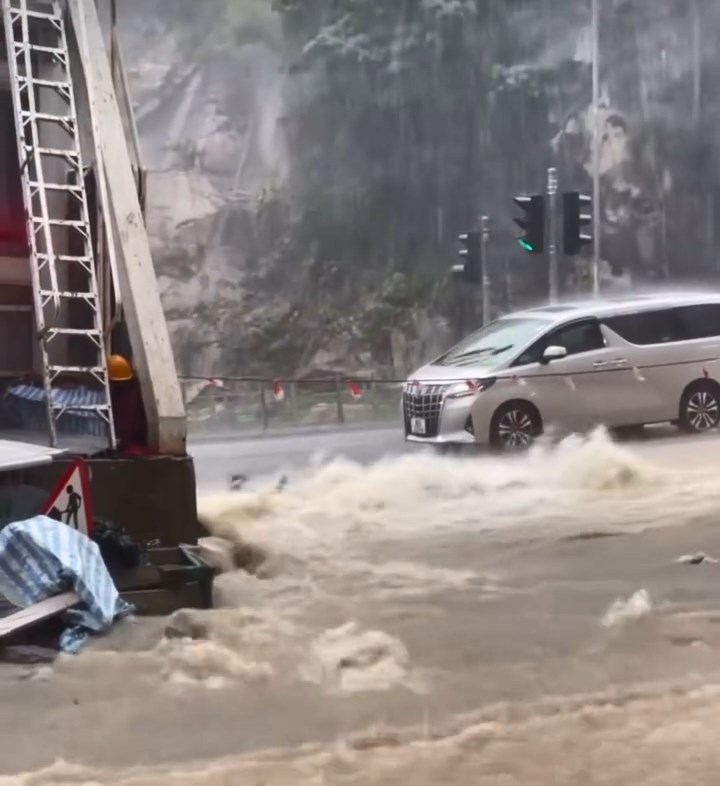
{"x":149,"y":337}
{"x":39,"y":612}
{"x":15,"y":455}
{"x":168,"y":566}
{"x":161,"y":602}
{"x":166,"y":555}
{"x":142,"y":577}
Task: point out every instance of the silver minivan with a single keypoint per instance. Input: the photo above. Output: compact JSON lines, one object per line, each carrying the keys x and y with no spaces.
{"x":622,"y":362}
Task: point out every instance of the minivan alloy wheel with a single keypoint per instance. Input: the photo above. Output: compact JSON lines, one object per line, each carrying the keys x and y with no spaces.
{"x":702,"y":410}
{"x":515,"y":429}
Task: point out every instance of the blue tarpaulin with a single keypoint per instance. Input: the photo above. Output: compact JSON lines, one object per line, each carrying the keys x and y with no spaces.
{"x":42,"y":557}
{"x":31,"y":399}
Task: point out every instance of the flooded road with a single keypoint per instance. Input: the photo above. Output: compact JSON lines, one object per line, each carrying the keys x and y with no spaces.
{"x":517,"y":621}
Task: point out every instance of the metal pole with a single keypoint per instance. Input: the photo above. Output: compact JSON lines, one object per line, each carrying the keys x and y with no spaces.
{"x":552,"y":189}
{"x":264,"y":415}
{"x":596,"y":144}
{"x":339,"y":401}
{"x":484,"y":239}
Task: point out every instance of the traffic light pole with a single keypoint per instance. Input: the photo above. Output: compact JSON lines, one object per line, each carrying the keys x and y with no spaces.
{"x":596,"y":144}
{"x":485,"y":239}
{"x":552,"y":190}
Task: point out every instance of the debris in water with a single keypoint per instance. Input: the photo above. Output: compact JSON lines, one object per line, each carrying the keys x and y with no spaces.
{"x":696,"y":559}
{"x":218,"y":553}
{"x":594,"y":535}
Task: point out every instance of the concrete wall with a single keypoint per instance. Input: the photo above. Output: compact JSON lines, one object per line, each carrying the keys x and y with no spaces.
{"x":153,"y":499}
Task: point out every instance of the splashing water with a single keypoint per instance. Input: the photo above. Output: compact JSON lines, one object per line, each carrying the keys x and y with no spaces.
{"x":637,"y":605}
{"x":585,"y":483}
{"x":343,"y":538}
{"x":349,"y":660}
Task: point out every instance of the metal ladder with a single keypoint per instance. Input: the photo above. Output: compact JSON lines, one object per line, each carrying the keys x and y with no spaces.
{"x":35,"y":36}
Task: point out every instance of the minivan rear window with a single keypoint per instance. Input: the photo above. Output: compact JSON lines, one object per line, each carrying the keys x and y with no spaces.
{"x":649,"y":327}
{"x":698,"y":321}
{"x":683,"y":323}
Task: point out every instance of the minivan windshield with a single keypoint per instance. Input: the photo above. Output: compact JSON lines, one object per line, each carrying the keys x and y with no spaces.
{"x":494,"y":343}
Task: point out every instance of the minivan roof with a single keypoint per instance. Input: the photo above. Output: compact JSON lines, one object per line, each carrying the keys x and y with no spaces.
{"x":614,"y":306}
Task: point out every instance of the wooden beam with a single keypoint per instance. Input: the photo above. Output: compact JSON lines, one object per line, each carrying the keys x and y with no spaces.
{"x":147,"y":328}
{"x":37,"y":613}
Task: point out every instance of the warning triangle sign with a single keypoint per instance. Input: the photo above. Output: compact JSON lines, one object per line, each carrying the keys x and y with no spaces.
{"x":70,"y":500}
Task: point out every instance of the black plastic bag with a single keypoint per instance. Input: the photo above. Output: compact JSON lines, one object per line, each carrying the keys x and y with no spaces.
{"x":117,"y":548}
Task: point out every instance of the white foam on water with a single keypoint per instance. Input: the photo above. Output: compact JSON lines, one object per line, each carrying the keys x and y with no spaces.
{"x":582,"y":484}
{"x":350,"y":660}
{"x":637,"y":605}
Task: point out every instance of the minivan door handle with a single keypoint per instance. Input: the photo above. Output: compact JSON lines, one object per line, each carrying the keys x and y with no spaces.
{"x":619,"y":362}
{"x":600,"y":364}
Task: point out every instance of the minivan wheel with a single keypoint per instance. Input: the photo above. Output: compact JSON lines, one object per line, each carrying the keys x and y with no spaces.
{"x":514,"y":427}
{"x":700,"y":408}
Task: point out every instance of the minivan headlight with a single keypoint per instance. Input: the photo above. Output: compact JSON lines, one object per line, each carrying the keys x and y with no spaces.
{"x":469,"y":387}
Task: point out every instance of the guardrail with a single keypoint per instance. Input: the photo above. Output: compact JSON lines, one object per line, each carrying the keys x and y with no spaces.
{"x":220,"y":406}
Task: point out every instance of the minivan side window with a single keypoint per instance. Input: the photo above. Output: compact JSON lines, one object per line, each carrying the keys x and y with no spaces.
{"x":648,"y":327}
{"x":701,"y":321}
{"x":577,"y":338}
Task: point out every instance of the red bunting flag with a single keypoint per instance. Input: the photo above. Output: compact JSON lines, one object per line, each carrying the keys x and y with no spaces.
{"x":278,"y":390}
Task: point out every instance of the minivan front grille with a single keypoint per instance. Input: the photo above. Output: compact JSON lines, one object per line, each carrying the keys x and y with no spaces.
{"x":423,"y":401}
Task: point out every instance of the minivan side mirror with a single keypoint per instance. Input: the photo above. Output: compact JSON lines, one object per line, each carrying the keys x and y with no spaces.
{"x":553,"y":353}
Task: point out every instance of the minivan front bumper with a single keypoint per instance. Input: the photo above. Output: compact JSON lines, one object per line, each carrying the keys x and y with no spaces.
{"x":430,"y":416}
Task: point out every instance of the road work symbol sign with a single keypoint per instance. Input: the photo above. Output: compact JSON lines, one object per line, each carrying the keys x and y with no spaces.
{"x":70,"y":500}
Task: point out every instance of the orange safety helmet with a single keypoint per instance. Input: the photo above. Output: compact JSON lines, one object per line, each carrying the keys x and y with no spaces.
{"x":119,"y":369}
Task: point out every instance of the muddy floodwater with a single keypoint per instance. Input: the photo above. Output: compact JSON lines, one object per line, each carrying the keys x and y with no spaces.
{"x":425,"y":619}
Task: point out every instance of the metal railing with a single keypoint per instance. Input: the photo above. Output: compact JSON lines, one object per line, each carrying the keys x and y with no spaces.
{"x":226,"y":406}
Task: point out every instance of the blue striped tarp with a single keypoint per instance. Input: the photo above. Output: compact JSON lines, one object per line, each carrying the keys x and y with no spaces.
{"x":41,"y":557}
{"x":72,"y":421}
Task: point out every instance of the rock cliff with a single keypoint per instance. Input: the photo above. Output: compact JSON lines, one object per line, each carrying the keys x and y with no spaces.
{"x":311,"y":162}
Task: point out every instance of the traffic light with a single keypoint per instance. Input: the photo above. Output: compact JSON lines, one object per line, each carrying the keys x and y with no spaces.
{"x":470,"y":269}
{"x":574,"y":219}
{"x":532,"y":223}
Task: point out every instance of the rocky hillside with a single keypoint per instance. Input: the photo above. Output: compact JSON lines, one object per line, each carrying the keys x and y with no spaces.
{"x":313,"y":160}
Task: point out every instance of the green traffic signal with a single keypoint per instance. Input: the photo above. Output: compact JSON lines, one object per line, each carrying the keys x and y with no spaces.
{"x":532,"y":223}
